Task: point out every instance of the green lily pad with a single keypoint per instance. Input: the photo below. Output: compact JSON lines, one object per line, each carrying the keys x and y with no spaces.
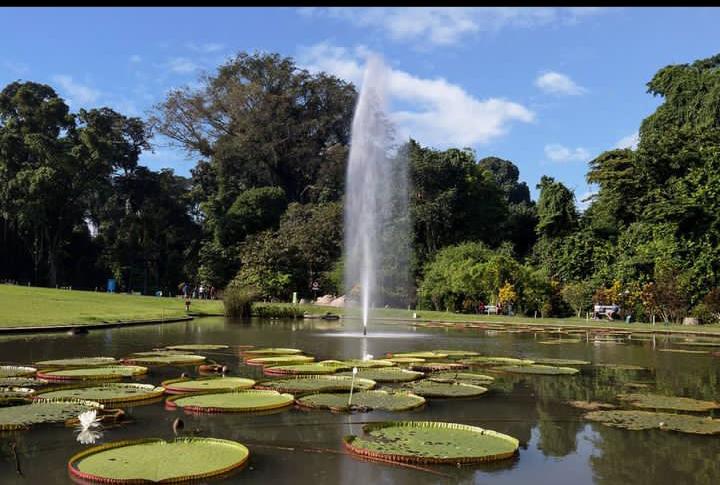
{"x":676,"y":403}
{"x":272,"y":351}
{"x":14,"y":392}
{"x":280,"y":360}
{"x":231,"y":401}
{"x":77,"y":362}
{"x":428,"y":388}
{"x":431,"y":442}
{"x":196,"y":347}
{"x":224,"y":383}
{"x":370,"y":363}
{"x":316,"y":384}
{"x":422,"y":355}
{"x":466,"y":377}
{"x":174,"y":359}
{"x":16,"y":371}
{"x":437,"y":367}
{"x":700,"y":344}
{"x":388,"y":374}
{"x":42,"y":411}
{"x":364,"y":400}
{"x":110,"y":393}
{"x":153,"y":460}
{"x":93,"y":373}
{"x":158,"y":353}
{"x":457,"y":354}
{"x":311,"y":369}
{"x":490,"y":361}
{"x":549,"y":370}
{"x":406,"y":360}
{"x":642,"y":420}
{"x":21,"y":382}
{"x":549,"y":361}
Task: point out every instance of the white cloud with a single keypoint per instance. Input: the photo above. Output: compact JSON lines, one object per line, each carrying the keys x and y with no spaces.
{"x":556,"y":83}
{"x":434,"y":111}
{"x":630,"y":141}
{"x":205,"y":48}
{"x":585,"y":199}
{"x":135,"y":58}
{"x":75,"y":92}
{"x":561,"y":153}
{"x":182,"y":65}
{"x":448,"y":25}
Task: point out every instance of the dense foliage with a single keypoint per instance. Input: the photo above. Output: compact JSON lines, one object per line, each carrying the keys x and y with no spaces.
{"x":263,"y":206}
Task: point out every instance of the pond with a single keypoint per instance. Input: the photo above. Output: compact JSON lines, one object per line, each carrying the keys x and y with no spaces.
{"x":557,"y":446}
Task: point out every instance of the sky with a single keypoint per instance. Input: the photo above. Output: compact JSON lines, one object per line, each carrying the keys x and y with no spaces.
{"x":548,"y":88}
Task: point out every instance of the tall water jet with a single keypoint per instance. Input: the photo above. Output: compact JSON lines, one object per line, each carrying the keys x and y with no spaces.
{"x":376,"y":216}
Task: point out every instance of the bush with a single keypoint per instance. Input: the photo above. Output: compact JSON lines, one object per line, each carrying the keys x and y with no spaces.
{"x":238,"y":301}
{"x":268,"y":310}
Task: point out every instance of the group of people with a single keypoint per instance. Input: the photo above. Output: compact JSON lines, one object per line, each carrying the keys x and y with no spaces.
{"x":202,"y":292}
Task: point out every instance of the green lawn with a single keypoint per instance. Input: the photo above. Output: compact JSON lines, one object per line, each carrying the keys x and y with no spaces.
{"x":22,"y":306}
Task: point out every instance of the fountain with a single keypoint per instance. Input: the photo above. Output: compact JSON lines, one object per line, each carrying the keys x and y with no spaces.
{"x":376,"y":215}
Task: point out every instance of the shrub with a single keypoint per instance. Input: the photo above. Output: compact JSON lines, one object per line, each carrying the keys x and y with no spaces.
{"x":238,"y":300}
{"x":267,"y":310}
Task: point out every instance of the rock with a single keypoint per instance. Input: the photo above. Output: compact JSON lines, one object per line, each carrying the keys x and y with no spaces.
{"x":325,"y":300}
{"x":338,"y":302}
{"x":690,"y":321}
{"x":303,"y":301}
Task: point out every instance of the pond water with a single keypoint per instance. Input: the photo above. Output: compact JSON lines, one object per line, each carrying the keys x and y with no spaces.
{"x":305,"y":447}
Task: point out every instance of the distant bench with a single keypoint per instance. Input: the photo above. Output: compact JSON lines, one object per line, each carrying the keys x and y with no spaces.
{"x":603,"y":310}
{"x":491,"y":309}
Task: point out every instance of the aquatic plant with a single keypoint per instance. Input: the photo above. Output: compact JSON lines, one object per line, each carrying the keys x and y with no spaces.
{"x":196,"y":347}
{"x":108,"y":393}
{"x":186,"y":385}
{"x":315,"y":384}
{"x":490,"y":361}
{"x":364,"y":401}
{"x":230,"y":401}
{"x":431,"y":442}
{"x":173,"y":359}
{"x":429,"y":388}
{"x":437,"y":367}
{"x":549,"y":370}
{"x":676,"y":403}
{"x":43,"y":411}
{"x":156,"y":460}
{"x":642,"y":420}
{"x":17,"y":371}
{"x":387,"y":374}
{"x":92,"y":373}
{"x":280,"y":360}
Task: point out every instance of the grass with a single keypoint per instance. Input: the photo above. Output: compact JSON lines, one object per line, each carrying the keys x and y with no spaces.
{"x":23,"y":306}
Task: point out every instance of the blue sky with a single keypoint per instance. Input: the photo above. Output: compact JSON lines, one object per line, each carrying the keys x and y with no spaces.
{"x":548,"y":88}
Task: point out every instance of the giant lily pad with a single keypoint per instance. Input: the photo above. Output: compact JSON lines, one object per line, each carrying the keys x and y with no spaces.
{"x":42,"y":411}
{"x":370,"y":363}
{"x":630,"y":367}
{"x":13,"y":394}
{"x":231,"y":402}
{"x":676,"y":403}
{"x":272,"y":351}
{"x":364,"y":400}
{"x":16,"y":371}
{"x":437,"y":367}
{"x":93,"y":373}
{"x":466,"y":377}
{"x":431,"y":442}
{"x":685,"y":351}
{"x":153,"y":460}
{"x":77,"y":362}
{"x":490,"y":361}
{"x":280,"y":360}
{"x":700,"y":344}
{"x":428,"y":388}
{"x":389,"y":374}
{"x":560,"y":341}
{"x":406,"y":360}
{"x":590,"y":405}
{"x":109,"y":393}
{"x":457,"y":354}
{"x":421,"y":355}
{"x":549,"y":370}
{"x":198,"y":347}
{"x":316,"y":384}
{"x":21,"y":382}
{"x":310,"y":369}
{"x":549,"y":361}
{"x":183,"y":385}
{"x":173,"y":359}
{"x":641,"y":420}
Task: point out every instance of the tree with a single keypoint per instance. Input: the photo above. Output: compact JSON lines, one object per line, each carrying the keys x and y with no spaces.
{"x":557,"y":215}
{"x":578,"y":295}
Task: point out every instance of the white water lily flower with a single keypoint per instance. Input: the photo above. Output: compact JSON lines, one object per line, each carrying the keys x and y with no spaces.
{"x":368,"y":357}
{"x":89,"y":421}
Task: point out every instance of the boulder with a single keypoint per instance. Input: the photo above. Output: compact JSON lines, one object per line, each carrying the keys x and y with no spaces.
{"x":325,"y":300}
{"x":338,"y":302}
